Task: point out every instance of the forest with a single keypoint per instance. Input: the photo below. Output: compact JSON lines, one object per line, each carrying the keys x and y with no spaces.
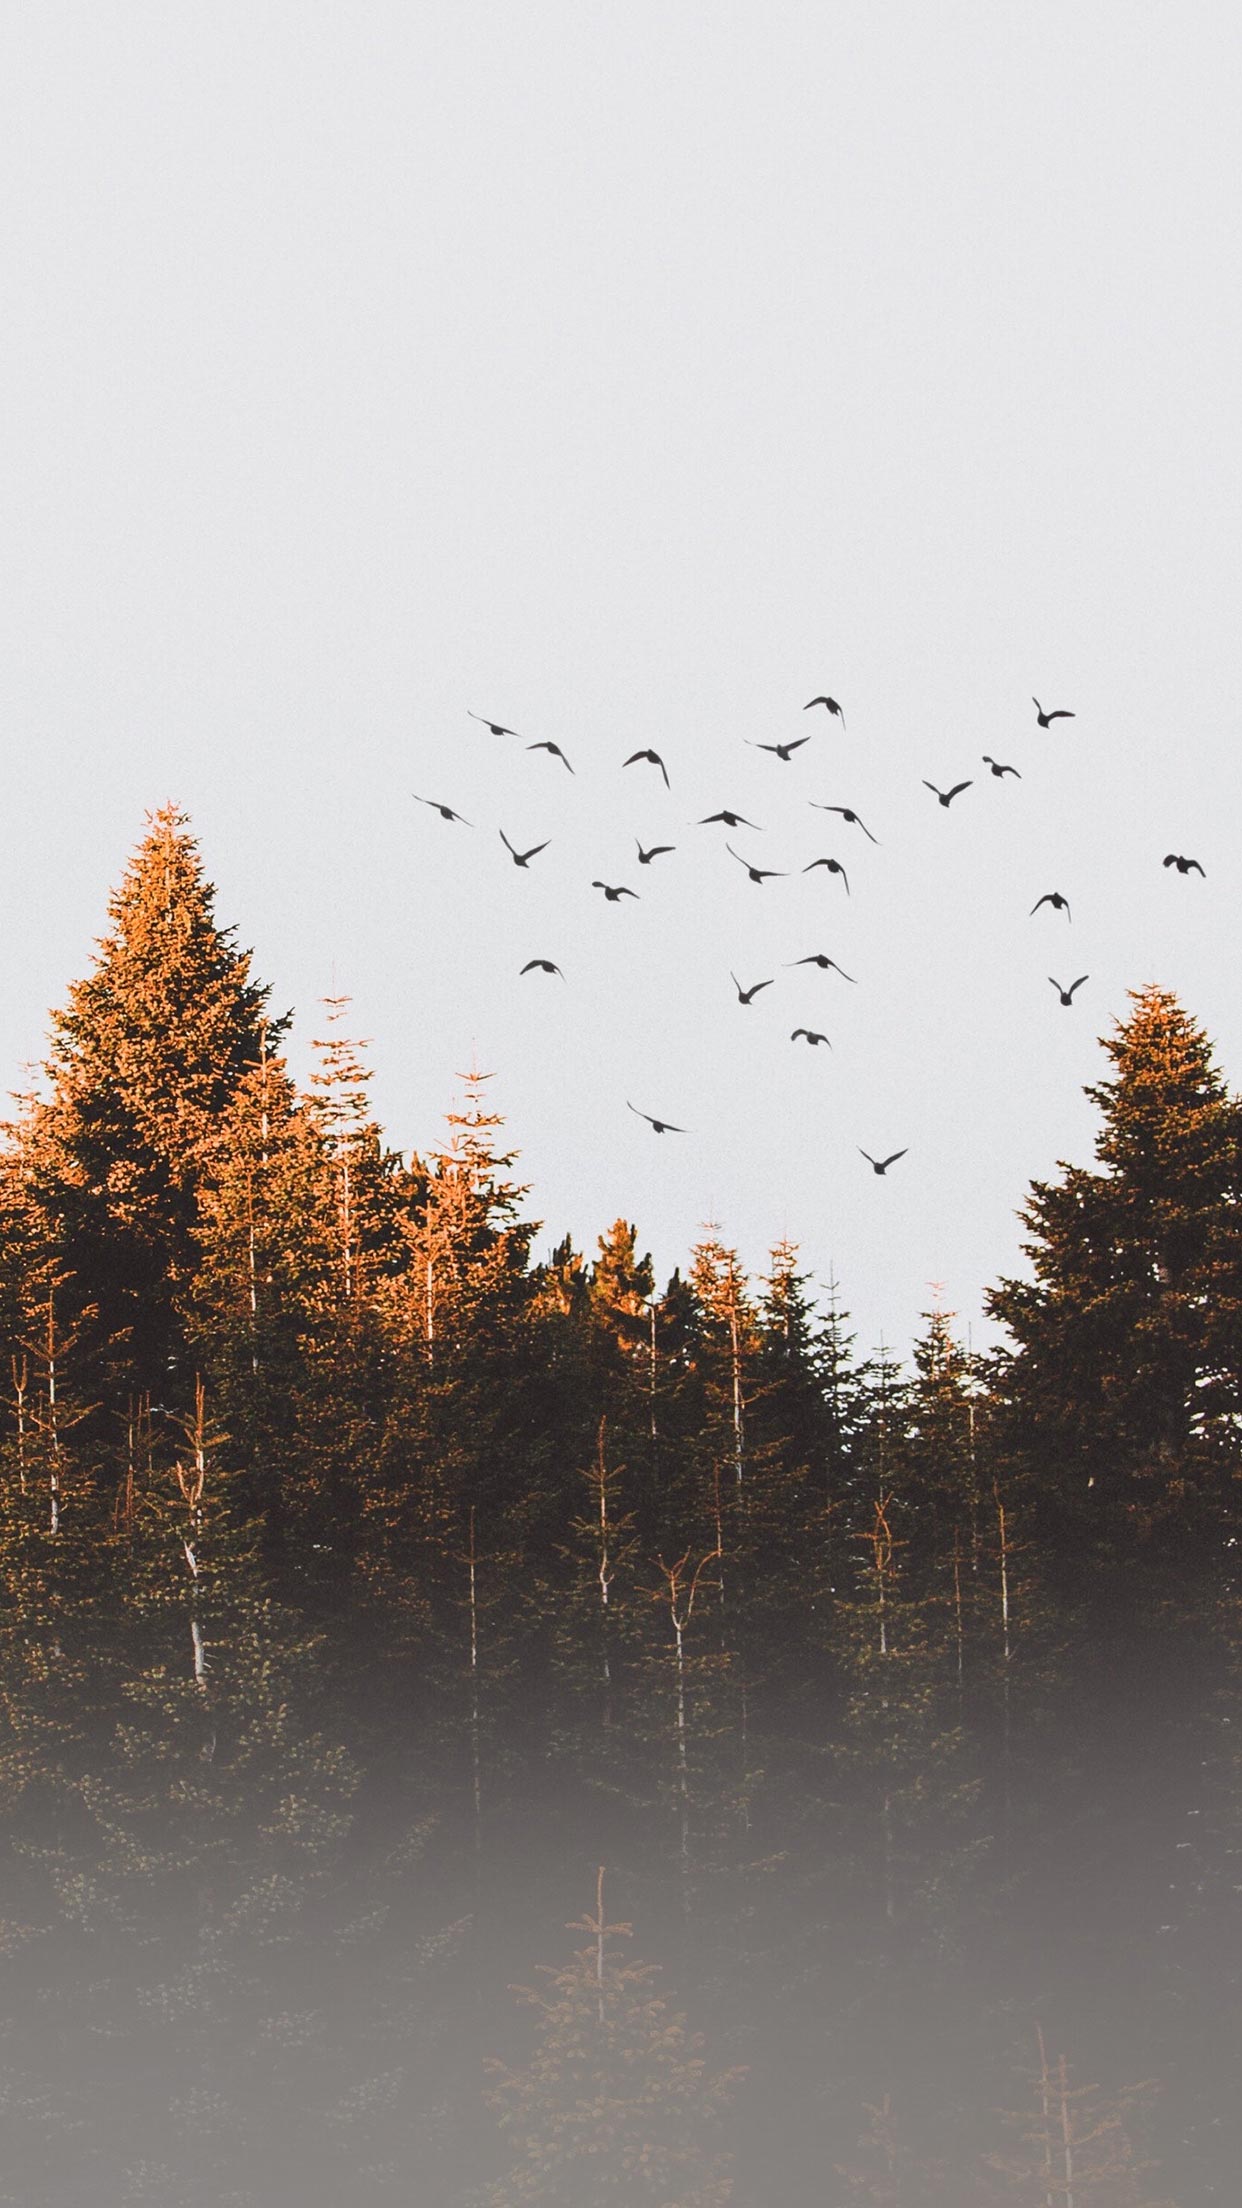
{"x":479,"y":1732}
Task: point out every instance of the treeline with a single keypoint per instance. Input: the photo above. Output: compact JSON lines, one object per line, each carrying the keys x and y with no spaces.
{"x":354,"y":1567}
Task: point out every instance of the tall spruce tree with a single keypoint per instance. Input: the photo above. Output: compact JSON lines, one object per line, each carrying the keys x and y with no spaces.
{"x":145,"y":1061}
{"x":1126,"y":1380}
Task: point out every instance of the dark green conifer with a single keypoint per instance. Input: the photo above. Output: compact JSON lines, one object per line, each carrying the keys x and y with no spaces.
{"x":1123,"y":1384}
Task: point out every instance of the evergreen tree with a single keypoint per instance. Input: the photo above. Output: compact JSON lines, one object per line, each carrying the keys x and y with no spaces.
{"x":617,"y":2103}
{"x":1075,"y":2146}
{"x":1124,"y":1381}
{"x":944,"y":1451}
{"x":146,"y":1060}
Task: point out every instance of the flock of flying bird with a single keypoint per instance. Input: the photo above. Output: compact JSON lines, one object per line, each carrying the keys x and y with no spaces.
{"x":614,"y":891}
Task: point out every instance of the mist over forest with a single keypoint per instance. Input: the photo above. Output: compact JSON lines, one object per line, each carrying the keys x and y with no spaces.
{"x":478,"y":1731}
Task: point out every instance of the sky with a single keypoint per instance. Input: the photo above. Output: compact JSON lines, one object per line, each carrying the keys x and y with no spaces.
{"x":630,"y":376}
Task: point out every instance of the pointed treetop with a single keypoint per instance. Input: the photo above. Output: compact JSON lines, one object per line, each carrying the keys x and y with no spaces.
{"x":1165,"y":1090}
{"x":170,"y":1016}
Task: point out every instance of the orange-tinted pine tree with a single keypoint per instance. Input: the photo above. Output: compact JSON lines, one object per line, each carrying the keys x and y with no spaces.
{"x":146,"y":1059}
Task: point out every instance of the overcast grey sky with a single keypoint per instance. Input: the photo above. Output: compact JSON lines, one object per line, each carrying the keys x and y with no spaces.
{"x":630,"y":375}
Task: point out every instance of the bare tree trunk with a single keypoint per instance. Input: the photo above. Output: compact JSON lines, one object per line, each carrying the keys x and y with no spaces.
{"x":736,"y":1362}
{"x":472,"y":1562}
{"x":21,"y":1380}
{"x":192,"y":1479}
{"x":959,"y":1629}
{"x":1045,"y":2108}
{"x":53,"y":1422}
{"x":681,"y":1595}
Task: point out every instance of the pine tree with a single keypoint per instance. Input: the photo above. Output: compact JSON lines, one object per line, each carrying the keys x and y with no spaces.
{"x":1125,"y":1383}
{"x":1075,"y":2145}
{"x":617,"y":2103}
{"x":146,"y":1060}
{"x":945,"y":1445}
{"x":793,"y":1414}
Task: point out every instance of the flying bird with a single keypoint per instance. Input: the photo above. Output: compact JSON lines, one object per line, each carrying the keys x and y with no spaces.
{"x":522,"y":858}
{"x":497,"y":727}
{"x":831,"y":704}
{"x":847,"y":814}
{"x":834,"y":866}
{"x":1183,"y":865}
{"x":881,"y":1165}
{"x":657,"y":851}
{"x":1045,"y":718}
{"x":744,"y":996}
{"x":652,"y":758}
{"x":542,"y":966}
{"x":613,"y":895}
{"x":782,"y":751}
{"x":822,"y":960}
{"x":731,"y":820}
{"x":1054,"y":898}
{"x":1067,"y":995}
{"x":445,"y":811}
{"x":997,"y":768}
{"x":946,"y":797}
{"x":555,"y":750}
{"x":811,"y":1035}
{"x":758,"y":874}
{"x":662,"y":1126}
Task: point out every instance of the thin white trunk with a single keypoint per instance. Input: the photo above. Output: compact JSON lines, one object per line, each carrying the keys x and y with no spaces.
{"x":957,"y":1614}
{"x":599,"y":1944}
{"x":1045,"y":2107}
{"x":52,"y":1427}
{"x":475,"y":1757}
{"x":738,"y":1451}
{"x":1067,"y":2133}
{"x":21,"y":1381}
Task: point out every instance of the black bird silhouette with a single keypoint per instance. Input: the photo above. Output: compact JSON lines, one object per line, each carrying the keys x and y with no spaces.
{"x":744,"y":996}
{"x":497,"y":727}
{"x":822,"y":960}
{"x":555,"y":750}
{"x":1059,"y":715}
{"x":946,"y":797}
{"x":1183,"y":865}
{"x":1067,"y":995}
{"x":653,"y":759}
{"x":657,"y":851}
{"x":731,"y":820}
{"x":782,"y":751}
{"x":662,"y":1126}
{"x":847,"y":814}
{"x":542,"y":966}
{"x":758,"y":874}
{"x":522,"y":858}
{"x":445,"y":811}
{"x":1054,"y":898}
{"x":834,"y":866}
{"x":831,"y":704}
{"x":614,"y":894}
{"x":881,"y":1165}
{"x":811,"y":1035}
{"x":997,"y":768}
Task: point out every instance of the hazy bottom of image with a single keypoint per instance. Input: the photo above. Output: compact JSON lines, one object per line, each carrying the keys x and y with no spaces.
{"x":921,"y":1940}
